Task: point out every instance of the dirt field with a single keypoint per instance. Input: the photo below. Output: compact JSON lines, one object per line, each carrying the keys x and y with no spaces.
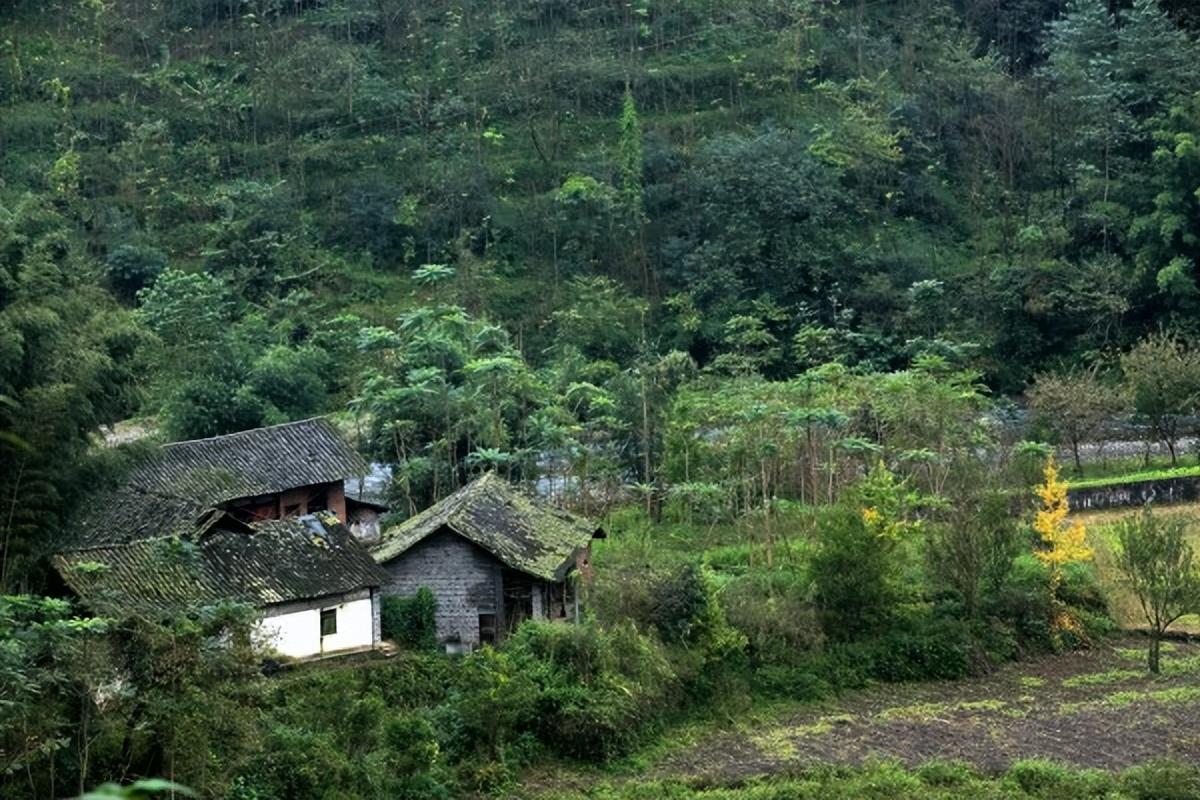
{"x":1092,"y":709}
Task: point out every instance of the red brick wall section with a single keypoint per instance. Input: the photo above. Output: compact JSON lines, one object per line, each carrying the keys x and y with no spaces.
{"x":337,"y":501}
{"x":294,"y":497}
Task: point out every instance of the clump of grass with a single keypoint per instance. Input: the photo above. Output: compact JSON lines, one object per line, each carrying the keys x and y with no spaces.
{"x":1181,"y":666}
{"x":1179,"y":694}
{"x":1174,"y":696}
{"x":1097,"y":678}
{"x":776,"y":743}
{"x":1032,"y":681}
{"x":1139,"y":653}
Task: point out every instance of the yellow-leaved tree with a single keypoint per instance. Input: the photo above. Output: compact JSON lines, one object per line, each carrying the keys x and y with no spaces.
{"x":1063,"y":542}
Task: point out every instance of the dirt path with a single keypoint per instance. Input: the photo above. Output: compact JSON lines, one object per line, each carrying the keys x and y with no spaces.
{"x":1091,"y":709}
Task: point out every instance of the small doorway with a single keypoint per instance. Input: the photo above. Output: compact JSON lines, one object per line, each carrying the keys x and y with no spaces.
{"x":487,"y":628}
{"x":518,"y":599}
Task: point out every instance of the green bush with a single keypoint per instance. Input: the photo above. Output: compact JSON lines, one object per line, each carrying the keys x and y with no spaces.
{"x":682,"y":605}
{"x":922,"y":649}
{"x":132,"y":267}
{"x":775,"y":612}
{"x":411,"y":621}
{"x":1048,"y":781}
{"x":794,"y":683}
{"x":412,"y":754}
{"x":599,"y":692}
{"x":1162,"y":780}
{"x":1024,"y":603}
{"x":856,"y":577}
{"x":295,"y":763}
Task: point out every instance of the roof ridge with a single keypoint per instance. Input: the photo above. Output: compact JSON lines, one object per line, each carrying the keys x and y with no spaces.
{"x":515,"y":526}
{"x":117,"y":545}
{"x":226,"y":436}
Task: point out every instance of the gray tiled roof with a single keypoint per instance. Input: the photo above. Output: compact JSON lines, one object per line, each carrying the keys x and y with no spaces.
{"x":159,"y":543}
{"x":524,"y":533}
{"x":275,"y":561}
{"x":164,"y":495}
{"x":259,"y":461}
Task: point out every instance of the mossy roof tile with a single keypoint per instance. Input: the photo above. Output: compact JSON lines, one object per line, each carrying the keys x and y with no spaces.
{"x":524,"y":533}
{"x":164,"y":494}
{"x":160,"y":542}
{"x":269,"y":562}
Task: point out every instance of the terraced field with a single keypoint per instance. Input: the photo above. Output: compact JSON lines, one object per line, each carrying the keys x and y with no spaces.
{"x":1091,"y":709}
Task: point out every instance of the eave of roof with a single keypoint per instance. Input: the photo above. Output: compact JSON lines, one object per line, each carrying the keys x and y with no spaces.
{"x":271,"y":562}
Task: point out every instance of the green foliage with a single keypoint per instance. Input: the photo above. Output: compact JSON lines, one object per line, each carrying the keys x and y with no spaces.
{"x":1161,"y":569}
{"x":852,"y":222}
{"x":58,"y":676}
{"x":68,"y":356}
{"x":411,"y":621}
{"x":1163,"y":374}
{"x":138,"y":790}
{"x":1161,"y":779}
{"x":131,"y":268}
{"x":856,"y":575}
{"x":595,"y":693}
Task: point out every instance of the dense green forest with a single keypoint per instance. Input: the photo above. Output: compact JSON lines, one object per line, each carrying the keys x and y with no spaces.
{"x":761,"y":282}
{"x":500,"y":232}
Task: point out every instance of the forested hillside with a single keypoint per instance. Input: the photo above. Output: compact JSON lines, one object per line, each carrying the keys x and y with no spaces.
{"x":762,"y":287}
{"x":502,"y":230}
{"x":862,"y":181}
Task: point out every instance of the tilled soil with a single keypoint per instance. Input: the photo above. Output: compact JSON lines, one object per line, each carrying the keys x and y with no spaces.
{"x":1111,"y":715}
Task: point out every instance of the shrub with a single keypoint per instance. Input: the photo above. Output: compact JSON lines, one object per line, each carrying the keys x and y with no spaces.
{"x":411,"y":744}
{"x":411,"y":621}
{"x":775,"y":613}
{"x":922,"y":649}
{"x":855,"y":576}
{"x":794,"y":683}
{"x":295,"y":763}
{"x":1162,"y":780}
{"x":843,"y":667}
{"x":1024,"y":603}
{"x":682,"y":603}
{"x":599,"y":692}
{"x":946,"y":774}
{"x":412,"y":755}
{"x":1043,"y":779}
{"x":132,"y":267}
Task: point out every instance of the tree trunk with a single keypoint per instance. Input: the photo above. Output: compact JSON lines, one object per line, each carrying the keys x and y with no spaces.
{"x":1152,"y":658}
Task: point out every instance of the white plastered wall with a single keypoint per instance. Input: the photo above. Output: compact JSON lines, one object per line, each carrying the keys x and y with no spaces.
{"x":294,"y":629}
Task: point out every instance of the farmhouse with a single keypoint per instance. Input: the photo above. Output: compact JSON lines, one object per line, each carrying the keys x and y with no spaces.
{"x":493,"y":557}
{"x":259,"y":517}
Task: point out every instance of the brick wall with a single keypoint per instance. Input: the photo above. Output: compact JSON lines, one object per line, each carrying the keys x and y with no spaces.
{"x":462,"y":576}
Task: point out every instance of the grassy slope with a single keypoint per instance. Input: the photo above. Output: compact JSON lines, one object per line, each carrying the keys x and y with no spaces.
{"x":1129,"y":473}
